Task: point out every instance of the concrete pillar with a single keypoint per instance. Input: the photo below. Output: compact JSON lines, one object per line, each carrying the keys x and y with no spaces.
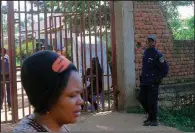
{"x":124,"y":26}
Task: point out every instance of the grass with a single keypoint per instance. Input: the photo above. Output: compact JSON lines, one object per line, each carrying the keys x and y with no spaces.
{"x":182,"y":119}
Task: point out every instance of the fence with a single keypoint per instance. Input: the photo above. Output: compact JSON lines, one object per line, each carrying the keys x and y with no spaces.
{"x":80,"y":30}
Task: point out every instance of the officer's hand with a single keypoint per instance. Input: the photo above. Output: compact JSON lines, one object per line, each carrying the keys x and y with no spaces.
{"x":158,"y":81}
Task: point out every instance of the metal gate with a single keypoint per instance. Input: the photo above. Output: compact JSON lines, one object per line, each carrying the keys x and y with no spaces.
{"x":83,"y":31}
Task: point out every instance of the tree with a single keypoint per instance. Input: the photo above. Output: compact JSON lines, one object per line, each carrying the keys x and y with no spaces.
{"x":190,"y":22}
{"x":4,"y":10}
{"x":170,"y":8}
{"x":92,"y":14}
{"x":183,"y":29}
{"x":170,"y":11}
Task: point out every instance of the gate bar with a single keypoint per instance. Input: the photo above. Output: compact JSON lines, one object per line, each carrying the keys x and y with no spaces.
{"x":114,"y":61}
{"x":11,"y":51}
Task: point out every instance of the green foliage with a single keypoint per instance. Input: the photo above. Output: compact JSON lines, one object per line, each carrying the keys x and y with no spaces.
{"x":24,"y":51}
{"x":170,"y":8}
{"x":90,"y":14}
{"x":69,"y":53}
{"x":4,"y":21}
{"x":183,"y":29}
{"x":110,"y":57}
{"x":182,"y":119}
{"x":178,"y":27}
{"x":190,"y":22}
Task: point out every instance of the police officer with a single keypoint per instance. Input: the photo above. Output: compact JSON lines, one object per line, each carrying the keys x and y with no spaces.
{"x":154,"y":68}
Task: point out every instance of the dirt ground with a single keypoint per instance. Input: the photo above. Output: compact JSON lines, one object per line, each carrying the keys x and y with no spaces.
{"x":108,"y":121}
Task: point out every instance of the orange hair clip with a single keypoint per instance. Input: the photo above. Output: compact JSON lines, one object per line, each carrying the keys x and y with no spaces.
{"x":60,"y":64}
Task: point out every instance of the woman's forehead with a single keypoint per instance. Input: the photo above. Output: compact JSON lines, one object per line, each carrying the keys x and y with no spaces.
{"x":75,"y":79}
{"x":75,"y":76}
{"x":74,"y":83}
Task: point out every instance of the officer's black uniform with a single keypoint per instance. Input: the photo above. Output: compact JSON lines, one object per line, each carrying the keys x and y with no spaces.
{"x":154,"y":68}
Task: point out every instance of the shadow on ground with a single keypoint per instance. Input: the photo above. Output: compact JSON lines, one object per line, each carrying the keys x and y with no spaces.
{"x":108,"y":121}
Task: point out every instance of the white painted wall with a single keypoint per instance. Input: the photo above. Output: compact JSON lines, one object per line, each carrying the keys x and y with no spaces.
{"x":87,"y":46}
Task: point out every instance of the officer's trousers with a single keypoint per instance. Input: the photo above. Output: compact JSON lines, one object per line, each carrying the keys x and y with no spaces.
{"x":148,"y":98}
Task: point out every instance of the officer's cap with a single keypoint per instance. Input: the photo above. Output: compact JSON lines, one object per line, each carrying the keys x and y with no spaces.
{"x":152,"y":37}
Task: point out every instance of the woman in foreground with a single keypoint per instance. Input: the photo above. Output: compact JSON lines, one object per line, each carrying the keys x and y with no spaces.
{"x":53,"y":86}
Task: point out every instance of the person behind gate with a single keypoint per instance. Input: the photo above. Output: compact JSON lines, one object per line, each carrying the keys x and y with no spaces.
{"x":5,"y":72}
{"x":154,"y":69}
{"x":94,"y":81}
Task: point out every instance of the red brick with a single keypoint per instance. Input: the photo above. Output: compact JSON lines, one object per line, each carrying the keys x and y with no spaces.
{"x":155,"y":23}
{"x":145,"y":15}
{"x":143,"y":43}
{"x":163,"y":23}
{"x":158,"y":40}
{"x":138,"y":14}
{"x":137,"y":26}
{"x":152,"y":21}
{"x":137,"y":31}
{"x":148,"y":23}
{"x":136,"y":19}
{"x":151,"y":32}
{"x":144,"y":35}
{"x":138,"y":56}
{"x":144,"y":31}
{"x":158,"y":36}
{"x":140,"y":23}
{"x":158,"y":31}
{"x":146,"y":19}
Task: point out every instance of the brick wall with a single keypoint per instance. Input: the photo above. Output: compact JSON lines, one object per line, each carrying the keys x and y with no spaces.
{"x":181,"y":63}
{"x":149,"y":19}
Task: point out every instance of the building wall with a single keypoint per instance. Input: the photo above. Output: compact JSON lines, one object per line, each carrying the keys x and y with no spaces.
{"x":149,"y":19}
{"x":177,"y":95}
{"x":178,"y":87}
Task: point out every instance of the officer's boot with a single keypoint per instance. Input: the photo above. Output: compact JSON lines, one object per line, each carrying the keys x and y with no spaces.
{"x":153,"y":123}
{"x":147,"y":119}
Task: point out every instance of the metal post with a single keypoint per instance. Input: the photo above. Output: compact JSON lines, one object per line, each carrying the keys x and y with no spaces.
{"x":114,"y":61}
{"x":45,"y":22}
{"x":11,"y":52}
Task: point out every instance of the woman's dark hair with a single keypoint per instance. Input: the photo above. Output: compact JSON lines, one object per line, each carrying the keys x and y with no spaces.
{"x":42,"y":85}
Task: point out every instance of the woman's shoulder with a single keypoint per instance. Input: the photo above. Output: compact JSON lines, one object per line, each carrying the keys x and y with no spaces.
{"x":23,"y":126}
{"x":64,"y":129}
{"x":26,"y":125}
